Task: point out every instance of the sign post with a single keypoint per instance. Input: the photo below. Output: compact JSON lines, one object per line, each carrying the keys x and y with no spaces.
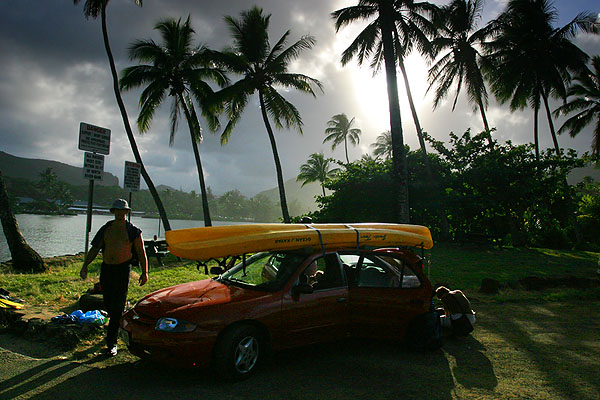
{"x":92,"y":139}
{"x":131,"y":179}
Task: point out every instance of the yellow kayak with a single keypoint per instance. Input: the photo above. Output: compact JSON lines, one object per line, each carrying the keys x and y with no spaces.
{"x":10,"y":304}
{"x":232,"y":240}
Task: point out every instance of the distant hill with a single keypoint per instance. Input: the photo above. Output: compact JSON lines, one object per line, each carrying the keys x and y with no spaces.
{"x":303,"y":196}
{"x":28,"y":168}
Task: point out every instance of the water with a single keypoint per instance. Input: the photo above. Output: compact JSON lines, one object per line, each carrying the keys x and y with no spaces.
{"x":53,"y":235}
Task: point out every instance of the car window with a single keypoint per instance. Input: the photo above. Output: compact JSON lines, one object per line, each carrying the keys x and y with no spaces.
{"x":323,"y":273}
{"x":265,"y":271}
{"x":375,"y":272}
{"x":378,"y":271}
{"x":408,"y":278}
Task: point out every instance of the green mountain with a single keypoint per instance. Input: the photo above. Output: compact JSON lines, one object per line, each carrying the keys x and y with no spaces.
{"x":28,"y":168}
{"x":300,"y":199}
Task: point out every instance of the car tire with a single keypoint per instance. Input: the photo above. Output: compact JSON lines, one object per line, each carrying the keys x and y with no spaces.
{"x":424,"y":332}
{"x":239,"y":352}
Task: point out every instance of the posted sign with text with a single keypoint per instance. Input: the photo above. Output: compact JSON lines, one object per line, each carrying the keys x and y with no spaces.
{"x":94,"y":138}
{"x":131,"y":182}
{"x":93,"y":166}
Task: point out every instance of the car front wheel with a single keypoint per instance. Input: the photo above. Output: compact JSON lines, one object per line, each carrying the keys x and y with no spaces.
{"x":239,"y":352}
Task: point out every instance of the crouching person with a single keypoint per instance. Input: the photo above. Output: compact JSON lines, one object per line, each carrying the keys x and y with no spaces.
{"x":458,"y":314}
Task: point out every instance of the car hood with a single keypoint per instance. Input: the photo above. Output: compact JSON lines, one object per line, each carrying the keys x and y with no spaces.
{"x":185,"y":297}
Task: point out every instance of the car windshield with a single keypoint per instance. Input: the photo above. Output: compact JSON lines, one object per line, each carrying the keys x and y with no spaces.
{"x":264,"y":271}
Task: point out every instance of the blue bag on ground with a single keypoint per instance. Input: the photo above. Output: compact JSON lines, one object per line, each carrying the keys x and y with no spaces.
{"x":89,"y":317}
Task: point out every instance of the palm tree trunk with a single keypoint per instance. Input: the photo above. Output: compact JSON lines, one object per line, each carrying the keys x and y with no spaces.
{"x":550,"y":122}
{"x":280,"y":183}
{"x":323,"y":188}
{"x":486,"y":126}
{"x":194,"y":134}
{"x":445,"y":225}
{"x":346,"y":148}
{"x":536,"y":139}
{"x":400,"y":169}
{"x":134,"y":148}
{"x":24,"y":258}
{"x":413,"y":110}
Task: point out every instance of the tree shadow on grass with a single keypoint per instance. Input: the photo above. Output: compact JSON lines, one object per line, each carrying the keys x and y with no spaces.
{"x":349,"y":369}
{"x":561,"y":339}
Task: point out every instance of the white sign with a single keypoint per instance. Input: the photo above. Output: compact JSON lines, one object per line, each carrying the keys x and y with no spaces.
{"x":131,"y":181}
{"x":93,"y":138}
{"x":93,"y":166}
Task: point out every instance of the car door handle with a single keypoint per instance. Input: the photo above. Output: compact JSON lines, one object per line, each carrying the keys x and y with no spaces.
{"x":341,"y":300}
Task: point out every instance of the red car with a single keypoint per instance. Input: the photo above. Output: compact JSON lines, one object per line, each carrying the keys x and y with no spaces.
{"x":276,"y":300}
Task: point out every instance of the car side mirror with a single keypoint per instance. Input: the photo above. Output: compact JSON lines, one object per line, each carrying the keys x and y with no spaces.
{"x":216,"y":270}
{"x":302,"y":288}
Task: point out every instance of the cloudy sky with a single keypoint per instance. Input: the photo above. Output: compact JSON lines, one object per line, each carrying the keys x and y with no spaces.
{"x":55,"y":75}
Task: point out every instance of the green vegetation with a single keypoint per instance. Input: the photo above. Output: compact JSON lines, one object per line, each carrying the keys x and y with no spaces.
{"x":340,"y":130}
{"x":499,"y":194}
{"x":316,"y":169}
{"x":454,"y":265}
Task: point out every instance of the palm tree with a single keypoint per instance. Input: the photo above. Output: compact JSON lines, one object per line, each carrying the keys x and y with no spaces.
{"x":461,"y":64}
{"x":585,"y":98}
{"x":263,"y":67}
{"x":316,"y":169}
{"x":383,"y":146}
{"x":380,"y":40}
{"x":175,"y":69}
{"x":532,"y":60}
{"x":340,"y":130}
{"x":24,"y":258}
{"x":93,"y":8}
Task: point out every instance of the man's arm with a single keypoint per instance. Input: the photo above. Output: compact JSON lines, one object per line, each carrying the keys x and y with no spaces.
{"x":141,"y":253}
{"x":88,"y":259}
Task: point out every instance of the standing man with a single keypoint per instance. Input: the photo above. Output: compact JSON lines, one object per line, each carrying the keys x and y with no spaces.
{"x":119,"y":240}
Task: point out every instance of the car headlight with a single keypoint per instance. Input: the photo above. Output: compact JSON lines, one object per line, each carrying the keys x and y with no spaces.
{"x":174,"y":325}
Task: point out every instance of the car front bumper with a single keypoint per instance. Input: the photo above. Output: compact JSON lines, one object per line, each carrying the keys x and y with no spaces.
{"x":180,"y":349}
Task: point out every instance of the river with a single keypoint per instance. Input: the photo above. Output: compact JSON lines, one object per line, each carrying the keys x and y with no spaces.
{"x":57,"y":235}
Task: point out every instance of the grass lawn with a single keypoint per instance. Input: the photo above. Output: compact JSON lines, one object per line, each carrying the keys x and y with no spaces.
{"x":526,"y":344}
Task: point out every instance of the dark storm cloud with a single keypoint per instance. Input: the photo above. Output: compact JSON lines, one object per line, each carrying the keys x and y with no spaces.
{"x":55,"y":75}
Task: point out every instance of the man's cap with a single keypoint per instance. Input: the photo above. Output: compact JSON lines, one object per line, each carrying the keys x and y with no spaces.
{"x":120,"y":204}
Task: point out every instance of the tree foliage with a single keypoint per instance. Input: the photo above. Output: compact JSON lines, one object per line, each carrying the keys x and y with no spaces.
{"x":55,"y":195}
{"x":501,"y":194}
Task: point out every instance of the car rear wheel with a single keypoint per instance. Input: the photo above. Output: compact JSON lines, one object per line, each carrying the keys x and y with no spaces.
{"x":424,"y":332}
{"x":239,"y":352}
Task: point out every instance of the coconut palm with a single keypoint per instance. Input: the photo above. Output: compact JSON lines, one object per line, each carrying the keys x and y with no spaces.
{"x":584,"y":97}
{"x":176,"y":69}
{"x":24,"y":258}
{"x":383,"y":42}
{"x":461,"y":64}
{"x":94,"y":8}
{"x":264,"y":68}
{"x":316,"y":169}
{"x":383,"y":146}
{"x":340,"y":130}
{"x":533,"y":60}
